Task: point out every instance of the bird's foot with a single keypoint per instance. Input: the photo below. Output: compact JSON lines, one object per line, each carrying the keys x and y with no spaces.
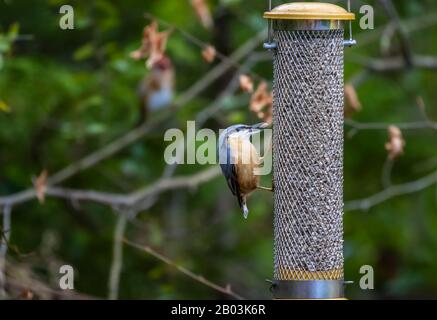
{"x":266,"y":188}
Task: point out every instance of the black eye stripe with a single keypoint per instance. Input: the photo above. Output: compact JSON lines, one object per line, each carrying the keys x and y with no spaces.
{"x":244,"y":128}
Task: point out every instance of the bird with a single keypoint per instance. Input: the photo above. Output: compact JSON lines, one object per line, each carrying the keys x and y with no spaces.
{"x":156,"y":90}
{"x":239,"y":159}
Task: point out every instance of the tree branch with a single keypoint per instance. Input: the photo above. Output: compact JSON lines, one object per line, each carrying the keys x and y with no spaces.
{"x":233,"y":60}
{"x":358,"y":126}
{"x":225,"y":290}
{"x":411,"y":25}
{"x":137,"y":133}
{"x":117,"y":256}
{"x":4,"y":244}
{"x":391,"y":192}
{"x":407,"y":52}
{"x":120,"y":200}
{"x":223,"y":67}
{"x":391,"y":64}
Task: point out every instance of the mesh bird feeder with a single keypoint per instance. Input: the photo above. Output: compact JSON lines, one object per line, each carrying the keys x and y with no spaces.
{"x":307,"y":40}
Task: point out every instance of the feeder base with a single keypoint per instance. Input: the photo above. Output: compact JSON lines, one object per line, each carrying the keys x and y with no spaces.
{"x":308,"y":289}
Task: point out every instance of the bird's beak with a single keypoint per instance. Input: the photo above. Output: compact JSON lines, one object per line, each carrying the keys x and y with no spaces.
{"x":258,"y":127}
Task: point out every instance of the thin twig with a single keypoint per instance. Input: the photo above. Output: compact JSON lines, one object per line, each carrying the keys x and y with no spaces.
{"x":188,"y":182}
{"x":391,"y":192}
{"x":6,"y":234}
{"x":383,"y":126}
{"x":117,"y":256}
{"x":411,"y":25}
{"x":122,"y":200}
{"x":407,"y":52}
{"x":386,"y":172}
{"x":383,"y":65}
{"x":358,"y":78}
{"x":199,"y":43}
{"x":223,"y":67}
{"x":225,"y":290}
{"x":137,"y":133}
{"x":22,"y":277}
{"x":230,"y":89}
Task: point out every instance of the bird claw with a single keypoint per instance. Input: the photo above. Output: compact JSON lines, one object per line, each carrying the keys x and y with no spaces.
{"x":266,"y":188}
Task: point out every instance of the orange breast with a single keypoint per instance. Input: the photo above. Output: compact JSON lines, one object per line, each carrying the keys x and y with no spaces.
{"x":246,"y":159}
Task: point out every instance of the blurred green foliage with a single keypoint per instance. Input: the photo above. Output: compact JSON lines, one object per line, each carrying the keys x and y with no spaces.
{"x":65,"y":93}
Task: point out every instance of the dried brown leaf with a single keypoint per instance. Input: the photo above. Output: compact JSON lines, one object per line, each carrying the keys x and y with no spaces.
{"x":159,"y":43}
{"x":209,"y":53}
{"x":352,"y":102}
{"x":26,"y":294}
{"x":246,"y":83}
{"x":395,"y":145}
{"x":153,"y":45}
{"x":40,"y":185}
{"x":261,"y":103}
{"x":203,"y":13}
{"x":148,"y":32}
{"x":268,"y":116}
{"x":260,"y":98}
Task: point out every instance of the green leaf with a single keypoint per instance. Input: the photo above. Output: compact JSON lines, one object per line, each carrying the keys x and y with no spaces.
{"x":92,"y":101}
{"x":4,"y":44}
{"x":121,"y":65}
{"x":95,"y":128}
{"x":13,"y":31}
{"x":4,"y":106}
{"x":84,"y":52}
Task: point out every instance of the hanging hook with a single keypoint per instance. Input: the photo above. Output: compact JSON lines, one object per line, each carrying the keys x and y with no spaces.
{"x":269,"y":45}
{"x":351,"y":41}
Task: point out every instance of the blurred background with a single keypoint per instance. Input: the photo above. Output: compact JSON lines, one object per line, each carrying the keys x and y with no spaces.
{"x":82,"y":168}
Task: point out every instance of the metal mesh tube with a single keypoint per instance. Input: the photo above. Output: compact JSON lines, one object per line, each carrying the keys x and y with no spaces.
{"x":308,"y":154}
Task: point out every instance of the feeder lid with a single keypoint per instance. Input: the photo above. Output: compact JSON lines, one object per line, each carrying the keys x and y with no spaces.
{"x":309,"y":11}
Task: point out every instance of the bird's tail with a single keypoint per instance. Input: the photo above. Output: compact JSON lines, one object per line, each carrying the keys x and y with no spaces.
{"x":245,"y":210}
{"x":243,"y":205}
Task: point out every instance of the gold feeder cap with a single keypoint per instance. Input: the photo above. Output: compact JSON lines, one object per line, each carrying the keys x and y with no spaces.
{"x":309,"y":11}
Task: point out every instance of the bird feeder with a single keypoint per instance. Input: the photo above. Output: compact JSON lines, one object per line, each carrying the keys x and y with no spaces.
{"x":307,"y":40}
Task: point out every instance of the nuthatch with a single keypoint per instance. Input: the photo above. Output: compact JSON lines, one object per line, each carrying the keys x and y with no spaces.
{"x":238,"y":161}
{"x":156,"y":89}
